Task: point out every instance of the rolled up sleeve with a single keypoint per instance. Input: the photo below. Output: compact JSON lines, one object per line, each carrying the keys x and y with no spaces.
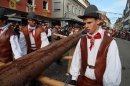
{"x":16,"y":47}
{"x":112,"y":75}
{"x":23,"y":43}
{"x":44,"y":39}
{"x":76,"y":63}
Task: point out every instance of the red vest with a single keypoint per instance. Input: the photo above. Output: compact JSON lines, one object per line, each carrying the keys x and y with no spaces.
{"x":100,"y":64}
{"x":37,"y":37}
{"x":6,"y":54}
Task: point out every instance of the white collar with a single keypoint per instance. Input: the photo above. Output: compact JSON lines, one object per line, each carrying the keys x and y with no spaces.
{"x":32,"y":27}
{"x":99,"y":31}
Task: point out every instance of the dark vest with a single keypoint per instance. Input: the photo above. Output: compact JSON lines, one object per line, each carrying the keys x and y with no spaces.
{"x":6,"y":54}
{"x":100,"y":64}
{"x":37,"y":37}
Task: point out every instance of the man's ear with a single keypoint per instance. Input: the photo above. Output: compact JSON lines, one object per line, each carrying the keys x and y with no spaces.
{"x":28,"y":20}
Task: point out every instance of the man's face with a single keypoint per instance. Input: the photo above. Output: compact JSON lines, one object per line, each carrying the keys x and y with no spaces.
{"x":91,"y":25}
{"x":76,"y":30}
{"x":2,"y":23}
{"x":57,"y":26}
{"x":31,"y":22}
{"x":42,"y":24}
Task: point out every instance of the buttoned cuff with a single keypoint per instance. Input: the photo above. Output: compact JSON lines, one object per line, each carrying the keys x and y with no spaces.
{"x":74,"y":78}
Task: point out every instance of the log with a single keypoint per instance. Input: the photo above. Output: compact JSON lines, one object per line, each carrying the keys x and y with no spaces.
{"x":59,"y":35}
{"x":51,"y":82}
{"x":27,"y":68}
{"x":67,"y":57}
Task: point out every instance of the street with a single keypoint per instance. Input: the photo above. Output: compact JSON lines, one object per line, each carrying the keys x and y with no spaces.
{"x":124,"y":50}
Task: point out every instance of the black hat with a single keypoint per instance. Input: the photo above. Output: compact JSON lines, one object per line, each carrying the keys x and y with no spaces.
{"x":43,"y":21}
{"x":91,"y":11}
{"x":57,"y":23}
{"x":3,"y":13}
{"x":32,"y":15}
{"x":77,"y":26}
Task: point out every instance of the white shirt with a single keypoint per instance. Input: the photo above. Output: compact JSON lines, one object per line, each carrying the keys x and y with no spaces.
{"x":112,"y":74}
{"x":14,"y":43}
{"x":23,"y":44}
{"x":49,"y":32}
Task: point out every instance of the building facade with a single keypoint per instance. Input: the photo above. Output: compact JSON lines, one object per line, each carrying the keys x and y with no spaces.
{"x":43,"y":8}
{"x":126,"y":16}
{"x":118,"y":24}
{"x":67,"y":11}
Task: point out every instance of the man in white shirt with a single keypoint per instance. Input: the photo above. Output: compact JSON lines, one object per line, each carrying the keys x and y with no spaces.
{"x":49,"y":34}
{"x":9,"y":45}
{"x":47,"y":30}
{"x":32,"y":37}
{"x":96,"y":60}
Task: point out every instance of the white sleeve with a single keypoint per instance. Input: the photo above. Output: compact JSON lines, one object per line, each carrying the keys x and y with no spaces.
{"x":15,"y":47}
{"x":76,"y":63}
{"x":23,"y":43}
{"x":109,"y":34}
{"x":44,"y":39}
{"x":49,"y":32}
{"x":112,"y":75}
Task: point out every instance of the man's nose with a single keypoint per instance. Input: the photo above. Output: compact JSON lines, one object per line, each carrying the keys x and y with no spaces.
{"x":86,"y":26}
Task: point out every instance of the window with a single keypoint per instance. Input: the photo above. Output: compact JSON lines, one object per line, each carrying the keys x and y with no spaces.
{"x":79,"y":12}
{"x":29,"y":8}
{"x":57,"y":6}
{"x":45,"y":4}
{"x":70,"y":7}
{"x":73,"y":9}
{"x":82,"y":13}
{"x":29,"y":2}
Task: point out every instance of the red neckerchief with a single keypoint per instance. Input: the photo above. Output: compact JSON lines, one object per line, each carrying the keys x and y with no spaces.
{"x":1,"y":30}
{"x":31,"y":31}
{"x":92,"y":39}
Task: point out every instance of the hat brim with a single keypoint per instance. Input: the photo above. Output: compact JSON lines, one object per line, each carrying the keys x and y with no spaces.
{"x":32,"y":19}
{"x":11,"y":15}
{"x":90,"y":15}
{"x":78,"y":26}
{"x":3,"y":17}
{"x":57,"y":24}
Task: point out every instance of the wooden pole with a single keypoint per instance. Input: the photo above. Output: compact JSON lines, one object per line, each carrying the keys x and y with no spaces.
{"x":51,"y":82}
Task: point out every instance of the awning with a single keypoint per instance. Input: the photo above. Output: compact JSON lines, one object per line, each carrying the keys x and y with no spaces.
{"x":126,"y":26}
{"x":15,"y":19}
{"x":45,"y":0}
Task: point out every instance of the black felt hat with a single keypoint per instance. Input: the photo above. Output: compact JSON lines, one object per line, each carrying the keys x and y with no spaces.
{"x":42,"y":21}
{"x":57,"y":23}
{"x":77,"y":26}
{"x":32,"y":15}
{"x":3,"y":13}
{"x":90,"y":12}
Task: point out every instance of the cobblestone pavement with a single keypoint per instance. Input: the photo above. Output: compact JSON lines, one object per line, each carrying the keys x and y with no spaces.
{"x":57,"y":72}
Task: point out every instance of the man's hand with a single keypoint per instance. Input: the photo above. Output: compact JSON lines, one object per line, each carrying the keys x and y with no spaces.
{"x":62,"y":37}
{"x":73,"y":82}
